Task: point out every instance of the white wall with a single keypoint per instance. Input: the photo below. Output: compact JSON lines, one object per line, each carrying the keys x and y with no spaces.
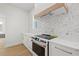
{"x":30,"y":17}
{"x":64,"y":26}
{"x":16,"y":24}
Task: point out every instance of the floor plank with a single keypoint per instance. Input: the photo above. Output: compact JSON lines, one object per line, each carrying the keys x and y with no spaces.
{"x":18,"y":50}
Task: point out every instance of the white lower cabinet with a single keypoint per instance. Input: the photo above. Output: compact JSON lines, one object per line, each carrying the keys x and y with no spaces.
{"x":60,"y":50}
{"x":27,"y":42}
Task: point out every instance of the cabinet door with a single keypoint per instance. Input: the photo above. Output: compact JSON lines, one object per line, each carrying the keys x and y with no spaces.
{"x":42,"y":6}
{"x":58,"y":50}
{"x":27,"y":42}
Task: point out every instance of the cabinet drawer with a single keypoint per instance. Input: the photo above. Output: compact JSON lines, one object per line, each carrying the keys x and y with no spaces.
{"x":60,"y":50}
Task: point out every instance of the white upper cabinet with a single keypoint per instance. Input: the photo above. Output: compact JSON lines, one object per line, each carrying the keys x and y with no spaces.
{"x":42,"y":9}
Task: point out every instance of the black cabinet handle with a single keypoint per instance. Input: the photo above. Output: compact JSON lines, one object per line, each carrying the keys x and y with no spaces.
{"x":63,"y":50}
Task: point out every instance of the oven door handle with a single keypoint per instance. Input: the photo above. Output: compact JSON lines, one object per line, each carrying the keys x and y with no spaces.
{"x":39,"y":44}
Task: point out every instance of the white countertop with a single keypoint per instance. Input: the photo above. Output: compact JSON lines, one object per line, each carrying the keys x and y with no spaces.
{"x":28,"y":34}
{"x":64,"y":42}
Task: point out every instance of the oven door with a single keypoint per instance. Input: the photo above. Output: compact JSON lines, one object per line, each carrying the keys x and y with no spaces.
{"x":40,"y":51}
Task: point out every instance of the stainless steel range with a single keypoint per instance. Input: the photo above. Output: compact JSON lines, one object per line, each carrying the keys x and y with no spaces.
{"x":40,"y":44}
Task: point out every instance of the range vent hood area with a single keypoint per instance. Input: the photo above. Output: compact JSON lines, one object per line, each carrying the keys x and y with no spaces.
{"x":56,"y":9}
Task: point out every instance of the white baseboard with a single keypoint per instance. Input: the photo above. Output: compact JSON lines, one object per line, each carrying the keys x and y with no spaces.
{"x":10,"y":45}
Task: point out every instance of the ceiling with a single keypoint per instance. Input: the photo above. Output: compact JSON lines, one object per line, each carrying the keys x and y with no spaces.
{"x":24,"y":6}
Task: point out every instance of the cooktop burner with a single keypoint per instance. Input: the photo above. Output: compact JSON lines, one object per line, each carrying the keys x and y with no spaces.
{"x":46,"y":36}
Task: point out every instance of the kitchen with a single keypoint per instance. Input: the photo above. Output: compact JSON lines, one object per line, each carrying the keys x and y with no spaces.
{"x":55,"y":28}
{"x":44,"y":29}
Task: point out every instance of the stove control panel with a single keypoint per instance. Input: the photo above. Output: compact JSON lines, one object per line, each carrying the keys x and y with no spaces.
{"x":39,"y":39}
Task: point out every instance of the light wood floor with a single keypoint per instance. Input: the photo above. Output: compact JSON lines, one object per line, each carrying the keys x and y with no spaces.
{"x":18,"y":50}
